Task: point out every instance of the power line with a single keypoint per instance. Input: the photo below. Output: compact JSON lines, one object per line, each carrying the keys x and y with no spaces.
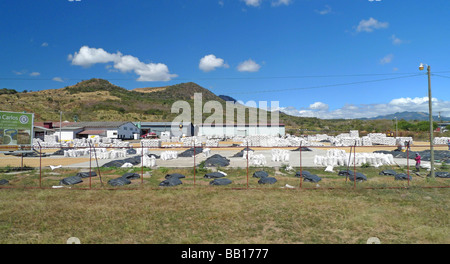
{"x":223,"y":78}
{"x":325,"y":86}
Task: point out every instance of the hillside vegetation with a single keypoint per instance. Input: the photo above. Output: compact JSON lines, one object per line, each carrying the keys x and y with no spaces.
{"x":100,"y":100}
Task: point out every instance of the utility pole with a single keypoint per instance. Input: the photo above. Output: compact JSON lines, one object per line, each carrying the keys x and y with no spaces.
{"x":431,"y":123}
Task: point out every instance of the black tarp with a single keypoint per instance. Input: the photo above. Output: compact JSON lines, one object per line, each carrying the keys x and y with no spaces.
{"x":222,"y":181}
{"x":260,"y":174}
{"x":174,"y":175}
{"x":86,"y":174}
{"x":402,"y":177}
{"x":267,"y":180}
{"x":308,"y":177}
{"x":217,"y":160}
{"x":240,"y":154}
{"x":172,"y":181}
{"x":3,"y":182}
{"x":213,"y":175}
{"x":118,"y":163}
{"x":190,"y":152}
{"x":131,"y":176}
{"x":71,"y":180}
{"x":358,"y":177}
{"x":303,"y":149}
{"x":442,"y":174}
{"x":439,"y":155}
{"x":387,"y":172}
{"x":119,"y":181}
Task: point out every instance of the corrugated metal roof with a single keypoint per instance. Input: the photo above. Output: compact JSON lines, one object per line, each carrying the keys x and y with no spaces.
{"x":92,"y":132}
{"x":104,"y":124}
{"x":161,"y":123}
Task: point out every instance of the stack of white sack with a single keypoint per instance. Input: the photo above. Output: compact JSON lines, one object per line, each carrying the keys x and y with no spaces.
{"x":212,"y":143}
{"x":206,"y":152}
{"x":168,"y":155}
{"x":151,"y":143}
{"x":245,"y":153}
{"x":191,"y":141}
{"x":142,"y":151}
{"x":258,"y":160}
{"x":76,"y":152}
{"x":337,"y":157}
{"x":280,"y":155}
{"x":441,"y":140}
{"x":148,"y":161}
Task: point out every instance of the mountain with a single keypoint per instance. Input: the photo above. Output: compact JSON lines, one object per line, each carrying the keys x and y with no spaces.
{"x":100,"y":100}
{"x":409,"y":116}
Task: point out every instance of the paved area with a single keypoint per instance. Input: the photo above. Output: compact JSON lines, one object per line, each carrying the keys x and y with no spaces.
{"x":294,"y":159}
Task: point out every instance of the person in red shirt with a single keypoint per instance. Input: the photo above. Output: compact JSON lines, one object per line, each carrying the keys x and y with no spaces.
{"x":417,"y":159}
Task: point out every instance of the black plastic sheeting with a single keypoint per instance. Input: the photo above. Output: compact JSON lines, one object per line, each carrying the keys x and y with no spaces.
{"x":221,"y":181}
{"x":190,"y":152}
{"x":350,"y":174}
{"x":71,"y":180}
{"x":118,"y":163}
{"x":402,"y":177}
{"x":131,"y":176}
{"x":308,"y":177}
{"x":174,"y":175}
{"x":86,"y":174}
{"x":303,"y":149}
{"x":439,"y":155}
{"x":260,"y":174}
{"x":217,"y":160}
{"x":240,"y":154}
{"x":442,"y":174}
{"x":387,"y":172}
{"x":267,"y":180}
{"x":119,"y":181}
{"x":3,"y":182}
{"x":125,"y":179}
{"x":172,"y":181}
{"x":214,"y":175}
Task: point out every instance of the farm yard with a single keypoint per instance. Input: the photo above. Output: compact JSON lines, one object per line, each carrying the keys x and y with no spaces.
{"x":228,"y":199}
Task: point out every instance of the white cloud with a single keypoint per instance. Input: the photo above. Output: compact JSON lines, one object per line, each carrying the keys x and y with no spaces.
{"x":350,"y":111}
{"x":57,"y":79}
{"x":86,"y":56}
{"x":248,"y":66}
{"x":370,"y":24}
{"x":387,"y":59}
{"x":211,"y":62}
{"x":124,"y":63}
{"x":35,"y":74}
{"x":395,"y":40}
{"x":19,"y":72}
{"x":325,"y":11}
{"x":281,"y":2}
{"x":318,"y":106}
{"x":252,"y":2}
{"x":45,"y":44}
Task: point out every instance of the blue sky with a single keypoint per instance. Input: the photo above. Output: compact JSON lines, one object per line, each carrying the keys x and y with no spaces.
{"x":322,"y":58}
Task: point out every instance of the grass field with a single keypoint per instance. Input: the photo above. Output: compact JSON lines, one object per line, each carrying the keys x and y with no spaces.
{"x":336,"y":211}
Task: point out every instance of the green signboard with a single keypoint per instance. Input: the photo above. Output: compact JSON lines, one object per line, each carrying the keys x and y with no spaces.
{"x":16,"y":129}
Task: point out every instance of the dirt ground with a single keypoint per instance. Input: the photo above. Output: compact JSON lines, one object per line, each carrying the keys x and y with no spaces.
{"x":7,"y":160}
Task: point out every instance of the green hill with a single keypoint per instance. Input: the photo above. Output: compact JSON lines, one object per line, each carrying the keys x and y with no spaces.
{"x":100,"y":100}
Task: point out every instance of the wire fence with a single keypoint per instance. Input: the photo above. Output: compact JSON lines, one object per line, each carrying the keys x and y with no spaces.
{"x":90,"y":169}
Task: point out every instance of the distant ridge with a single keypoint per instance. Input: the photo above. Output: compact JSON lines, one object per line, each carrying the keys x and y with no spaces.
{"x":408,"y":116}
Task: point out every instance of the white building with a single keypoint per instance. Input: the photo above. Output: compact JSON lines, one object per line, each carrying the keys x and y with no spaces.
{"x":122,"y":130}
{"x":232,"y":130}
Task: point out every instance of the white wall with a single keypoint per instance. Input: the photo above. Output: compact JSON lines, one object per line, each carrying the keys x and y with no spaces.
{"x":241,"y":130}
{"x":68,"y":134}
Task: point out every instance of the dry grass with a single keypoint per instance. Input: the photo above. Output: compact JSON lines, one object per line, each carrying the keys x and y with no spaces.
{"x":202,"y":213}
